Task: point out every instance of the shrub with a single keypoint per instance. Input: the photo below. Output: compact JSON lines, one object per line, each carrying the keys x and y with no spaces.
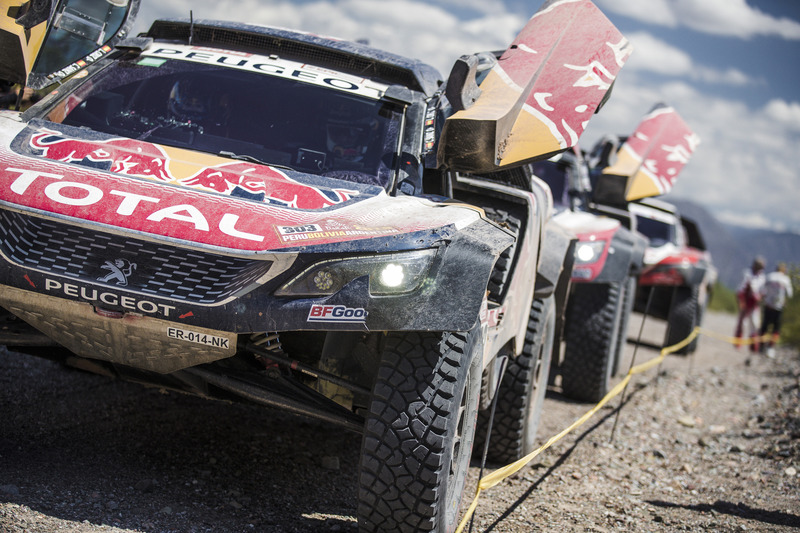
{"x":790,"y":329}
{"x":723,"y":299}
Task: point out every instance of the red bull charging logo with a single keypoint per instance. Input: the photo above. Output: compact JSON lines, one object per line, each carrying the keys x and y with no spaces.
{"x":146,"y":160}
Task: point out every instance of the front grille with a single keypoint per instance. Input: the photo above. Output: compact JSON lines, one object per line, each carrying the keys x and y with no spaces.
{"x":137,"y":265}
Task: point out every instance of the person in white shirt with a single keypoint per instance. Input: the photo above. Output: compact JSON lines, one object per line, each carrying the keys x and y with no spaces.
{"x":749,"y":297}
{"x":777,"y":288}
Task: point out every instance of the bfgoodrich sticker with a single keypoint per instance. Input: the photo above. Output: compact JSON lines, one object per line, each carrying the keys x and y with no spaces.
{"x":336,"y":313}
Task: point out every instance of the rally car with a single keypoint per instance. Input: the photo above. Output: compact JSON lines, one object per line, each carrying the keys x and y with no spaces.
{"x":679,"y":273}
{"x":303,"y":222}
{"x":608,"y":259}
{"x":630,"y":172}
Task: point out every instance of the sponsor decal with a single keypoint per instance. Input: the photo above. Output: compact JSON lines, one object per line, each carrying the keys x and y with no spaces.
{"x":272,"y":66}
{"x":199,"y":338}
{"x":429,"y":133}
{"x":101,"y":298}
{"x":140,"y":159}
{"x":317,"y":231}
{"x":336,"y":313}
{"x":294,"y":230}
{"x":654,"y":155}
{"x":79,"y":64}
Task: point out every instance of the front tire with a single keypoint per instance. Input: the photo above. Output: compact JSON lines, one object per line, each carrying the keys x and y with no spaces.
{"x":629,"y":295}
{"x":522,"y":390}
{"x":684,"y":315}
{"x":419,"y":432}
{"x":594,"y":314}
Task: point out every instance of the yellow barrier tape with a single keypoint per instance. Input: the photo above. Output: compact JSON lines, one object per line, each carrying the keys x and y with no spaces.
{"x":500,"y":474}
{"x":739,"y":341}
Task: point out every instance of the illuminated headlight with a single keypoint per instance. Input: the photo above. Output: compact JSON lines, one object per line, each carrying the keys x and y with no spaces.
{"x":589,"y":251}
{"x":388,"y":274}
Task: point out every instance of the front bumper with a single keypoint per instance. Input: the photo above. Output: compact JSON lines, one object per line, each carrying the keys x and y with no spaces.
{"x":180,"y":306}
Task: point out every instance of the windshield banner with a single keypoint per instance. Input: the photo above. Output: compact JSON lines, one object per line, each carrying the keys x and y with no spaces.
{"x":273,"y":66}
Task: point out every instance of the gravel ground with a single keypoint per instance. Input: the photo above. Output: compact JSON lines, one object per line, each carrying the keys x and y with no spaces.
{"x":705,"y":443}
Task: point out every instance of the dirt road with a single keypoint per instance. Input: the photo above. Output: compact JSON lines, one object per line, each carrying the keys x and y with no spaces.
{"x":711,"y":443}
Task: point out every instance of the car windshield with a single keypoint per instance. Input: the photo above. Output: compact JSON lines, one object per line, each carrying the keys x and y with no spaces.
{"x":658,"y":231}
{"x":555,"y":174}
{"x":242,"y":114}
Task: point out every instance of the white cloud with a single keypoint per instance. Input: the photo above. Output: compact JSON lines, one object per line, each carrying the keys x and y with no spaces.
{"x":487,"y":7}
{"x":731,"y":76}
{"x":785,"y":113}
{"x":658,"y":12}
{"x":732,"y":18}
{"x":747,"y":219}
{"x":747,"y":162}
{"x":413,"y":28}
{"x":654,"y":55}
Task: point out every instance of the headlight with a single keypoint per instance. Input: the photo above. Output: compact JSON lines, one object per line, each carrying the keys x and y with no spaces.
{"x":589,"y":251}
{"x":388,"y":274}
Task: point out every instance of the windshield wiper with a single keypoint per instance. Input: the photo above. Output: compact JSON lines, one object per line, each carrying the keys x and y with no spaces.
{"x":251,"y":159}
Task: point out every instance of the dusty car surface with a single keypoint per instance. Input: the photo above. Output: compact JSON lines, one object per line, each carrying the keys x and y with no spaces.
{"x":253,"y":213}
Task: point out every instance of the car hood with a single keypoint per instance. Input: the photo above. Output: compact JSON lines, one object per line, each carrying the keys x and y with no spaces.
{"x":587,"y":225}
{"x":671,"y":254}
{"x":58,"y":171}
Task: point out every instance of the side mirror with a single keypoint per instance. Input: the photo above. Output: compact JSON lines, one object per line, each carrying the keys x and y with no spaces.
{"x":462,"y":87}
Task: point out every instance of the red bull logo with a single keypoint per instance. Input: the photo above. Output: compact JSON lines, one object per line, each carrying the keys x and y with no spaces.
{"x":540,"y":95}
{"x":655,"y":154}
{"x":267,"y":184}
{"x":146,"y":160}
{"x":571,"y":81}
{"x":121,"y":155}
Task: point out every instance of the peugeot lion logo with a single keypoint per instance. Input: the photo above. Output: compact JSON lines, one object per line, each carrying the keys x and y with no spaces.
{"x":119,"y":269}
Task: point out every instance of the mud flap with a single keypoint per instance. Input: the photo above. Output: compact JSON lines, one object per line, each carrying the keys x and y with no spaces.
{"x":557,"y":244}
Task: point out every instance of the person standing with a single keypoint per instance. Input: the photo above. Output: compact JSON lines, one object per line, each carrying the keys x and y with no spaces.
{"x":749,"y":296}
{"x":777,"y":288}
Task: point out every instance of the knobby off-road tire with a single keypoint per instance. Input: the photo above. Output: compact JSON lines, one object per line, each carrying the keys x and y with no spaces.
{"x":522,"y":390}
{"x":628,"y":297}
{"x":683,"y":316}
{"x":502,"y":267}
{"x":592,"y":333}
{"x":419,"y":432}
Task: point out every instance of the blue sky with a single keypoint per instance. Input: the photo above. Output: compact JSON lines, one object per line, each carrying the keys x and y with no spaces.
{"x":731,"y":68}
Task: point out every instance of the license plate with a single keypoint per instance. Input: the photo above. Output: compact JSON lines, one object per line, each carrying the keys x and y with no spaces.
{"x":198,"y":338}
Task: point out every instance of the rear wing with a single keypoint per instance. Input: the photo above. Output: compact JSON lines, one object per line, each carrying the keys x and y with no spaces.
{"x":44,"y":41}
{"x":649,"y":161}
{"x":538,"y":96}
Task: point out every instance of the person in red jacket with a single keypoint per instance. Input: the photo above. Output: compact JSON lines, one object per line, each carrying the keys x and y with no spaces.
{"x":749,"y":296}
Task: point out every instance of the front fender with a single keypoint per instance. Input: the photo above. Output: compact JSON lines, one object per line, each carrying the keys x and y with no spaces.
{"x":625,"y":257}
